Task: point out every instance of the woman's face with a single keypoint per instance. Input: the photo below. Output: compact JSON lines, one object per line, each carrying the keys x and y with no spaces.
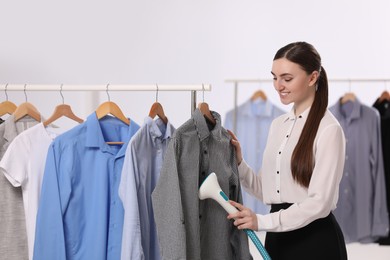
{"x":293,"y":84}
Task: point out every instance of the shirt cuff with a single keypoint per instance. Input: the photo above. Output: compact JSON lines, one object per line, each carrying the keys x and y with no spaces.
{"x":268,"y":222}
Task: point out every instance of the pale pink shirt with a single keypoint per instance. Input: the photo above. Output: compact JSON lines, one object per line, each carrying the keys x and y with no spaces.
{"x":274,"y":184}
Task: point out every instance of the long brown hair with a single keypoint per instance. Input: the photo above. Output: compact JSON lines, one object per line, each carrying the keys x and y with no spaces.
{"x":306,"y":56}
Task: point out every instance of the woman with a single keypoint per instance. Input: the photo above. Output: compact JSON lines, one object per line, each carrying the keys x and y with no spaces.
{"x":302,"y":165}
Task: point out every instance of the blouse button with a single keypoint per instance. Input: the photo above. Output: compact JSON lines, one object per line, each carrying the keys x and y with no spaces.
{"x":280,"y":152}
{"x":277,"y":191}
{"x":277,"y":172}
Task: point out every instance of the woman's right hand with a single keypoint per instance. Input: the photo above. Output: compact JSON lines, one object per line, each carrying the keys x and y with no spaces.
{"x":234,"y":141}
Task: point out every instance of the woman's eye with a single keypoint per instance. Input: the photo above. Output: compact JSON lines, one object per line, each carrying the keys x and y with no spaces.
{"x":287,"y":80}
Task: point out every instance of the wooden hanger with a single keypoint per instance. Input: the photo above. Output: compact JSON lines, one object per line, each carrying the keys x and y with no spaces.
{"x":7,"y":107}
{"x":259,"y":94}
{"x":349,"y":96}
{"x":204,"y":109}
{"x":384,"y":96}
{"x":108,"y":108}
{"x":60,"y":111}
{"x":27,"y":109}
{"x":157,"y":110}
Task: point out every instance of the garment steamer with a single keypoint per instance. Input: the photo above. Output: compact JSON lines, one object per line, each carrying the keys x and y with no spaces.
{"x":210,"y":189}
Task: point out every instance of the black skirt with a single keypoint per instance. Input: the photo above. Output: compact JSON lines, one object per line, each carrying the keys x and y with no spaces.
{"x":321,"y":239}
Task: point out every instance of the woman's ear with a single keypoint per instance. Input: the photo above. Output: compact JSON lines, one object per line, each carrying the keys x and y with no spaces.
{"x":313,"y":78}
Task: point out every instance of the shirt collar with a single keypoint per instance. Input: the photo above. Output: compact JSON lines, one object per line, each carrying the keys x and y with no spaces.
{"x":95,"y":137}
{"x":356,"y":110}
{"x":257,"y":108}
{"x":201,"y":125}
{"x":291,"y":115}
{"x":157,"y":128}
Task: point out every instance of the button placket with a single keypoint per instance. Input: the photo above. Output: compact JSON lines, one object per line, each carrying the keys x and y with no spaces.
{"x":279,"y":160}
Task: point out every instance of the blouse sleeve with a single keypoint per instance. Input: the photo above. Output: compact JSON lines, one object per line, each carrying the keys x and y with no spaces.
{"x":250,"y":180}
{"x":322,"y":193}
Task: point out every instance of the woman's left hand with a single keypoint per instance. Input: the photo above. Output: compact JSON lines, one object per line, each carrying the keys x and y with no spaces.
{"x":244,"y":218}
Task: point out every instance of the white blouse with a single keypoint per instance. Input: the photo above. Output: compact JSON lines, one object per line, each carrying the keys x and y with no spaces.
{"x":275,"y":184}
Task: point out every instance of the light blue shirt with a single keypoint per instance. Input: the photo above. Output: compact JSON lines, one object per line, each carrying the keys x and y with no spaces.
{"x":80,"y":215}
{"x":254,"y":119}
{"x":141,"y":170}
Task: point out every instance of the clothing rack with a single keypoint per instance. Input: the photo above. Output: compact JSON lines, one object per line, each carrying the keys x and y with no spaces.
{"x":261,"y":80}
{"x":109,"y":87}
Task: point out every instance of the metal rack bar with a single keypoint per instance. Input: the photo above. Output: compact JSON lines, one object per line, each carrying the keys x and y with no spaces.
{"x":109,"y":87}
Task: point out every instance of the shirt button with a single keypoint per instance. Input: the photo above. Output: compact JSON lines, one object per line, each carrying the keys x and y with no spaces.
{"x":280,"y":152}
{"x":203,"y":173}
{"x":287,"y":136}
{"x":205,"y":152}
{"x":277,"y":191}
{"x":200,"y":216}
{"x":346,"y":174}
{"x":300,"y":116}
{"x":277,"y":172}
{"x":346,"y":157}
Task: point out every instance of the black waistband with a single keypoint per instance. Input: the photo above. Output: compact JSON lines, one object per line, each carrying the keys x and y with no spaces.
{"x":277,"y":207}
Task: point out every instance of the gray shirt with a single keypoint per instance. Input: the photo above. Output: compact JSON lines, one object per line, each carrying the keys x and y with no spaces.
{"x":13,"y":233}
{"x":361,"y":210}
{"x":189,"y":228}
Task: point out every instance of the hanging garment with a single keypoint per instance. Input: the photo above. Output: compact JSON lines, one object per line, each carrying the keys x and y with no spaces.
{"x":140,"y":173}
{"x":361,"y":208}
{"x":253,"y":120}
{"x":80,"y":215}
{"x":188,"y":228}
{"x":23,"y":164}
{"x":384,"y":110}
{"x":13,"y":235}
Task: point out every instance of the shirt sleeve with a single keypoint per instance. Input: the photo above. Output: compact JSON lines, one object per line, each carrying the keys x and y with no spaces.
{"x":329,"y":153}
{"x":250,"y":180}
{"x":14,"y":164}
{"x":49,"y":234}
{"x":168,"y":209}
{"x":131,"y":236}
{"x":380,"y":225}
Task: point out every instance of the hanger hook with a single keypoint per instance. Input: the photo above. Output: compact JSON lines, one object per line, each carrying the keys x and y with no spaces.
{"x":108,"y":95}
{"x":203,"y":91}
{"x":349,"y":85}
{"x":25,"y":94}
{"x":5,"y":90}
{"x":62,"y":96}
{"x":156,"y":92}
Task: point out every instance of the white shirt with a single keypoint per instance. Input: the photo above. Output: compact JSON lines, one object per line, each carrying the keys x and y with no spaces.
{"x":275,"y":184}
{"x":23,"y":164}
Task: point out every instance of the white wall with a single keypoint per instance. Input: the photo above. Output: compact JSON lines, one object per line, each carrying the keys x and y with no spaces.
{"x":184,"y":42}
